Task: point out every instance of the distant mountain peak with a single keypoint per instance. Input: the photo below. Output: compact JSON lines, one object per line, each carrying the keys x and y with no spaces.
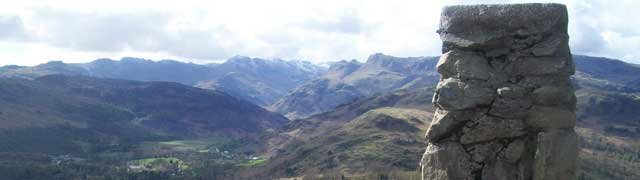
{"x":134,"y":59}
{"x":378,"y":56}
{"x":103,"y":60}
{"x":348,"y":80}
{"x":11,"y":67}
{"x":247,"y":59}
{"x":239,"y":58}
{"x":398,"y":64}
{"x":343,"y":68}
{"x":53,"y":63}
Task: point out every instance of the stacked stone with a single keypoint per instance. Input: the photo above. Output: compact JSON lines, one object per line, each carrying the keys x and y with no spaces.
{"x":505,"y":103}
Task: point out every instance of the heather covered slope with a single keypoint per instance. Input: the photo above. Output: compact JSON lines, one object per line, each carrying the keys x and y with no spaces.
{"x":380,"y":133}
{"x":608,"y":93}
{"x":383,"y":139}
{"x":607,"y":74}
{"x":78,"y":114}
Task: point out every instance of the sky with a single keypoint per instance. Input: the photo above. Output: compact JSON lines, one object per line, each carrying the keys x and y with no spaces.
{"x":37,"y":31}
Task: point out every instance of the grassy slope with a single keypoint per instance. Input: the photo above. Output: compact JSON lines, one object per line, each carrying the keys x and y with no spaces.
{"x":99,"y":126}
{"x":378,"y":134}
{"x":82,"y":115}
{"x":380,"y":140}
{"x":347,"y":142}
{"x":607,"y":156}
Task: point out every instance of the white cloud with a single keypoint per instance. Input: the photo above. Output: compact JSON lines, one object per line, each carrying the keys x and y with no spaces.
{"x":34,"y":32}
{"x":605,"y":28}
{"x":12,"y":28}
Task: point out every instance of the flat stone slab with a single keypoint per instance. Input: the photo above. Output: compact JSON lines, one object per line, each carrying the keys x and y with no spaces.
{"x":494,"y":26}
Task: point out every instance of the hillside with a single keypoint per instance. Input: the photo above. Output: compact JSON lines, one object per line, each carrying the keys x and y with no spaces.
{"x":327,"y":144}
{"x":349,"y":80}
{"x":379,"y":133}
{"x":161,"y":129}
{"x":608,"y":95}
{"x":382,"y":139}
{"x":64,"y":114}
{"x":76,"y":124}
{"x":382,"y":136}
{"x":256,"y":80}
{"x":607,"y":74}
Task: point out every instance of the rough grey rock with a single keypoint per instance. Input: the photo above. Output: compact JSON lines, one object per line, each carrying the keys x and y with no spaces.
{"x":532,"y":82}
{"x":491,"y":128}
{"x":483,"y":152}
{"x":554,"y":95}
{"x":552,"y":46}
{"x":505,"y":95}
{"x":512,"y":163}
{"x":556,"y":156}
{"x":447,"y":161}
{"x":494,"y":26}
{"x":510,"y":107}
{"x":550,"y":117}
{"x":463,"y":65}
{"x":538,"y":66}
{"x":445,"y":121}
{"x":501,"y":170}
{"x":454,"y":94}
{"x":513,"y":151}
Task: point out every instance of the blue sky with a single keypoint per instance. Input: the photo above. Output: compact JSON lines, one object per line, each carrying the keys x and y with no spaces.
{"x":33,"y":32}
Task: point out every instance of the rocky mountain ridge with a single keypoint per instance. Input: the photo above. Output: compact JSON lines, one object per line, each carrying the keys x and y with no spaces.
{"x":260,"y":81}
{"x":349,"y":80}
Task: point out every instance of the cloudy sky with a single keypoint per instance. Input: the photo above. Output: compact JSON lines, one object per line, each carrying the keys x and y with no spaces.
{"x":33,"y":31}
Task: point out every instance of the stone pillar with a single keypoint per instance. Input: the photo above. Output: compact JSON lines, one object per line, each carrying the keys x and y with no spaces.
{"x":505,"y":105}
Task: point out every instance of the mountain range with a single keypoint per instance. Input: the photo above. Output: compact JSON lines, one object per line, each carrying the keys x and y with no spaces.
{"x":353,"y":119}
{"x":260,"y":81}
{"x":349,"y":80}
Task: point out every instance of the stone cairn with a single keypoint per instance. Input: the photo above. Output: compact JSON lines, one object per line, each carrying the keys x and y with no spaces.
{"x":505,"y":105}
